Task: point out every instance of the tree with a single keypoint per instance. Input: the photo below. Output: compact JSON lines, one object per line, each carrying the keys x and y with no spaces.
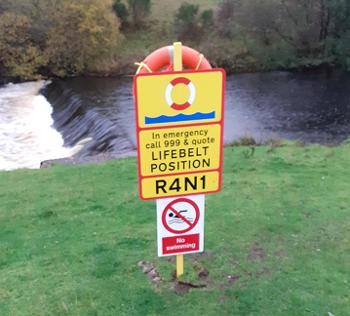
{"x":192,"y":25}
{"x":226,"y":18}
{"x":301,"y":25}
{"x":338,"y":40}
{"x":339,"y":11}
{"x":42,"y":13}
{"x":85,"y":34}
{"x":187,"y":22}
{"x":3,"y":6}
{"x":139,"y":9}
{"x":18,"y":56}
{"x":121,"y":11}
{"x":325,"y":17}
{"x":39,"y":12}
{"x":207,"y":20}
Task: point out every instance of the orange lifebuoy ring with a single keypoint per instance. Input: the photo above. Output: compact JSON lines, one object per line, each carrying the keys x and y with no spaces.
{"x":162,"y":58}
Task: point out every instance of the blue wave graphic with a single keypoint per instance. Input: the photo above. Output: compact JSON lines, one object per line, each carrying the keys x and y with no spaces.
{"x":179,"y":118}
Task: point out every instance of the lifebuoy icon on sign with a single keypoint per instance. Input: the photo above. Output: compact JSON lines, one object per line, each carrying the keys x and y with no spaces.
{"x":180,"y":216}
{"x":169,"y":89}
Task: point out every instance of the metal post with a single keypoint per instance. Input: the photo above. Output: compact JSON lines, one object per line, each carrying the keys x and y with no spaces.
{"x":178,"y":67}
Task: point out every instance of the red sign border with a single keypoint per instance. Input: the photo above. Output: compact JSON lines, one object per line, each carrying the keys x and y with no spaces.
{"x":179,"y":200}
{"x":139,"y":129}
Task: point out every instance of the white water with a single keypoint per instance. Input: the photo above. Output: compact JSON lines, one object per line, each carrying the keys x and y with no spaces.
{"x":26,"y":133}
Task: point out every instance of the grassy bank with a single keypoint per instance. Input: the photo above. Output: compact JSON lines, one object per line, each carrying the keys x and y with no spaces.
{"x":277,"y":240}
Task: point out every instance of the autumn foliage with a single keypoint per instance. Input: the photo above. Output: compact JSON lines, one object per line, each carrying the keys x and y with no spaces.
{"x":61,"y":38}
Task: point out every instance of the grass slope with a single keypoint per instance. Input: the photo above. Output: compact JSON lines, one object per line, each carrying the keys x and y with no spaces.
{"x":277,"y":239}
{"x":165,"y":10}
{"x":138,"y":44}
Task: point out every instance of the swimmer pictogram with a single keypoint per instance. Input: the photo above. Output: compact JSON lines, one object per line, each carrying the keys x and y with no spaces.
{"x":180,"y":216}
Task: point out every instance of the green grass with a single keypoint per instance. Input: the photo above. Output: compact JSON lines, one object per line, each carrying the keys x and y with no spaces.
{"x":277,"y":239}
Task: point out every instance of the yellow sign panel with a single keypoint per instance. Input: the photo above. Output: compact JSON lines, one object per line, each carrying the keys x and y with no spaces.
{"x":179,"y":128}
{"x":179,"y":98}
{"x":181,"y":149}
{"x":185,"y":184}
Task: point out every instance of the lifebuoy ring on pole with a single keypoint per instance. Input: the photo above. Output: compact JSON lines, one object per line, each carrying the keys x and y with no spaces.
{"x":169,"y":90}
{"x":162,"y":58}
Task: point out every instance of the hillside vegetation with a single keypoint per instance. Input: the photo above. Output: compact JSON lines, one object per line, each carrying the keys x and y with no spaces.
{"x":105,"y":37}
{"x":276,"y":240}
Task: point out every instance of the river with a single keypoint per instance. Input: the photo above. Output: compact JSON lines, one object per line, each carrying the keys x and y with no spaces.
{"x":87,"y":116}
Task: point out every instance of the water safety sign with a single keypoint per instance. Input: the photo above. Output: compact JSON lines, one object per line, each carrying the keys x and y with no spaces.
{"x":180,"y":225}
{"x":179,"y":132}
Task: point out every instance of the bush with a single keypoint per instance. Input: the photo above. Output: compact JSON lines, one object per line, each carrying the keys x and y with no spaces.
{"x":225,"y":18}
{"x":207,"y":20}
{"x":139,"y":9}
{"x":121,"y":11}
{"x":18,"y":56}
{"x":190,"y":25}
{"x":84,"y":35}
{"x":187,"y":22}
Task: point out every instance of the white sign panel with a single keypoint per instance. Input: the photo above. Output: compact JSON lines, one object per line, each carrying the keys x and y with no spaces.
{"x":180,"y":225}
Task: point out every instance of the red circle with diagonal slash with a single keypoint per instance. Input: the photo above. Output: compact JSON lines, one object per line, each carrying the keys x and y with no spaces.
{"x":170,"y":208}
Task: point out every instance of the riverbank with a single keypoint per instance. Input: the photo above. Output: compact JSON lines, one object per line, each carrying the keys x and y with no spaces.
{"x":231,"y":55}
{"x":138,"y":48}
{"x":119,"y":33}
{"x":73,"y":239}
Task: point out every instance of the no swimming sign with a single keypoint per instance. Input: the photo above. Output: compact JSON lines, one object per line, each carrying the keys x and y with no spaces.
{"x":180,"y":225}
